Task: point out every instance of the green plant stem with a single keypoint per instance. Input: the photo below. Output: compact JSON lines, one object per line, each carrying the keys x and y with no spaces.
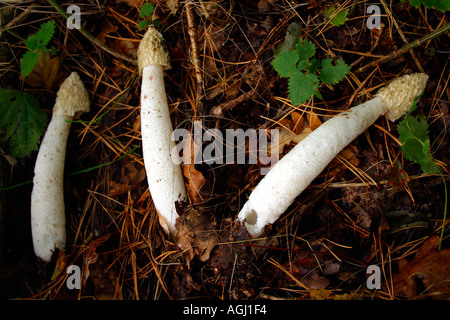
{"x":445,"y":211}
{"x":91,"y":37}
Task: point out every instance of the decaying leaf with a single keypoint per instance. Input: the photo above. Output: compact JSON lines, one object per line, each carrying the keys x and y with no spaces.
{"x":46,"y":72}
{"x":196,"y":234}
{"x":132,"y":174}
{"x":427,"y":274}
{"x":194,"y":178}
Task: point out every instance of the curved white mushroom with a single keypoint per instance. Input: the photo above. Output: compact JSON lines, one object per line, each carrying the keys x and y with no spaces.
{"x":297,"y":169}
{"x":164,"y":177}
{"x":48,"y":219}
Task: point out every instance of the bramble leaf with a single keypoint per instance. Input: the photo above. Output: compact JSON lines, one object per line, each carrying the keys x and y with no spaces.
{"x":23,"y":121}
{"x":302,"y":87}
{"x":332,"y":74}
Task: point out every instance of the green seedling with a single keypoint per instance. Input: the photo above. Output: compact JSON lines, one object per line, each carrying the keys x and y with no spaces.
{"x":305,"y":74}
{"x":35,"y":43}
{"x":146,"y":13}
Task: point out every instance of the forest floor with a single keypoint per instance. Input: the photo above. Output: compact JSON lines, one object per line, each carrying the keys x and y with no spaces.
{"x":370,"y":206}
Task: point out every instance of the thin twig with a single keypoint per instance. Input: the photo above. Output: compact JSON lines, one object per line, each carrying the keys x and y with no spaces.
{"x":406,"y":48}
{"x":192,"y":31}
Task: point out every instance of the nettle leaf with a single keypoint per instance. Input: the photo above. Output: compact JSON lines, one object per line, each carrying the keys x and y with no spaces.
{"x":28,"y":62}
{"x":302,"y":87}
{"x":305,"y":49}
{"x":331,"y":74}
{"x":23,"y":121}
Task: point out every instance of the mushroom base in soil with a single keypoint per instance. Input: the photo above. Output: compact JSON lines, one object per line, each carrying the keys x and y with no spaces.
{"x":297,"y":169}
{"x":48,"y":220}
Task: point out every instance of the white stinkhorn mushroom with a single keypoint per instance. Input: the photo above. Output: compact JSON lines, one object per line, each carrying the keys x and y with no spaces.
{"x":48,"y":220}
{"x":297,"y":169}
{"x":164,"y":177}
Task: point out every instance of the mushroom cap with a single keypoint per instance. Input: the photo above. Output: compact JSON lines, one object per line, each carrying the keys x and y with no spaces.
{"x":72,"y":97}
{"x":152,"y":50}
{"x":399,"y":95}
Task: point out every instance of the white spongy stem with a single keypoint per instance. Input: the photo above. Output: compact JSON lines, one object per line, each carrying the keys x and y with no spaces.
{"x":297,"y":169}
{"x":164,"y":177}
{"x":48,"y":218}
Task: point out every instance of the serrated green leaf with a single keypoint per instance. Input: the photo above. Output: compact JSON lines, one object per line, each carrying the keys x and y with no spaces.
{"x":143,"y":24}
{"x":285,"y":63}
{"x":332,"y":74}
{"x":146,"y":10}
{"x":339,"y":19}
{"x":24,"y":122}
{"x":45,"y":33}
{"x":314,"y":65}
{"x":302,"y":87}
{"x":305,"y":49}
{"x":413,"y":134}
{"x":28,"y":62}
{"x":441,"y":5}
{"x":32,"y":42}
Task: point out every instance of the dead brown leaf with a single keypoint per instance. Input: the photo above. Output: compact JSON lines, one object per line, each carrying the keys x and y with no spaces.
{"x":132,"y":175}
{"x":196,"y":234}
{"x":194,"y":178}
{"x":427,"y":274}
{"x":46,"y":73}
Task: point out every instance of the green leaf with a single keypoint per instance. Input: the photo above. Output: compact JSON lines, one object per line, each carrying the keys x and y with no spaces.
{"x":285,"y":63}
{"x":314,"y":65}
{"x":413,"y":134}
{"x":146,"y":10}
{"x":305,"y":49}
{"x":143,"y":24}
{"x":32,"y":43}
{"x":28,"y":62}
{"x":339,"y":19}
{"x":441,"y":5}
{"x":332,"y":74}
{"x":23,"y":121}
{"x":302,"y":87}
{"x":45,"y":34}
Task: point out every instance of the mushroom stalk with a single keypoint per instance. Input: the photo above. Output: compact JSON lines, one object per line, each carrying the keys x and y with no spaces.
{"x":297,"y":169}
{"x":164,"y":177}
{"x":48,"y":219}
